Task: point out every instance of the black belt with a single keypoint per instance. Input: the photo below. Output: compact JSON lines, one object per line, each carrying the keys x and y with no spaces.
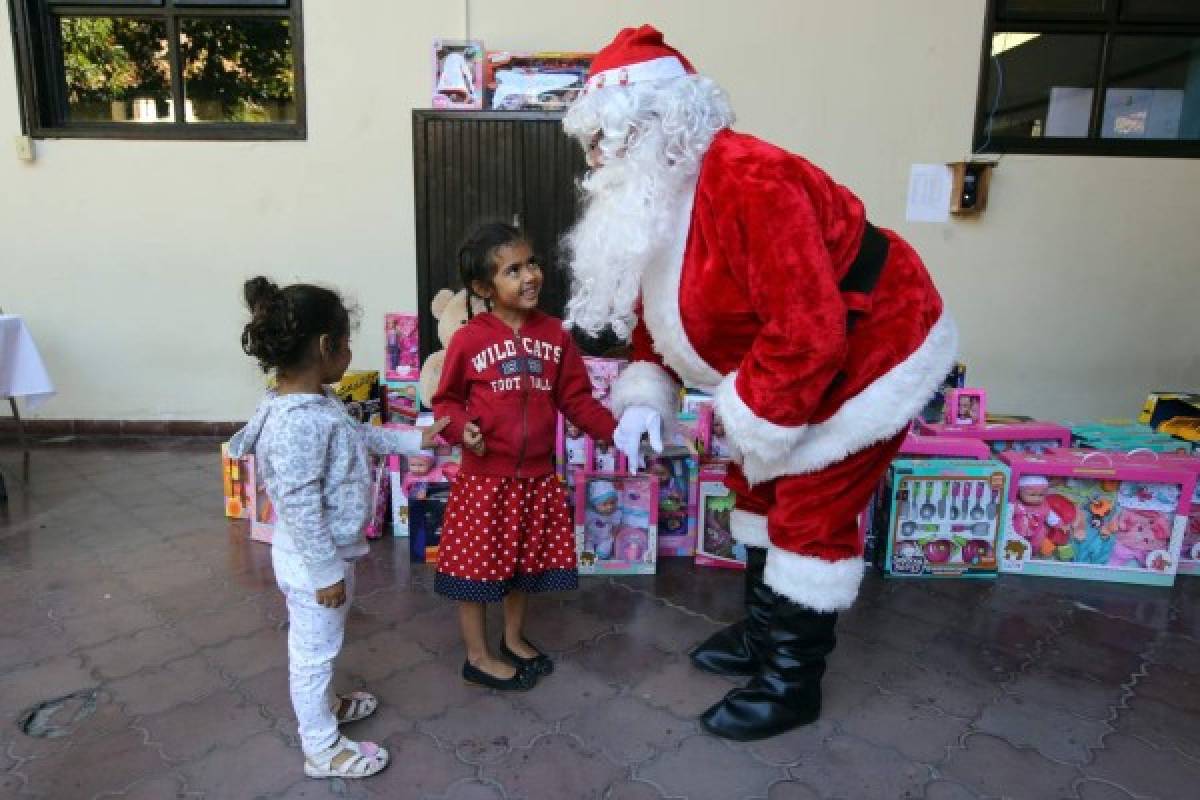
{"x":867,"y":266}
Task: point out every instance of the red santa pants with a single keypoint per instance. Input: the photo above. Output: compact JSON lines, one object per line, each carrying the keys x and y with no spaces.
{"x":816,"y":514}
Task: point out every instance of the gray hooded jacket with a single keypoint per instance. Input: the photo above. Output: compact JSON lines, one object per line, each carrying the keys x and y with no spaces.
{"x":312,"y":457}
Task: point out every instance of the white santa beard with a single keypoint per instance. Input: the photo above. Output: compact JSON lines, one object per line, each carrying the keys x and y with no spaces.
{"x":629,"y":206}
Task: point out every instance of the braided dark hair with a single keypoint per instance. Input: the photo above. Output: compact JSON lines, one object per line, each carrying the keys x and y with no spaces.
{"x":285,"y":321}
{"x":476,"y":255}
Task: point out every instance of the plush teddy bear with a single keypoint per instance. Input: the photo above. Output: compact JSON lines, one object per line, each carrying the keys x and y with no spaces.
{"x":450,"y":310}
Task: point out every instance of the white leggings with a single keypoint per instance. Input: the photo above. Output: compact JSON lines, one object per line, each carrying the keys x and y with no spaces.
{"x":315,"y":636}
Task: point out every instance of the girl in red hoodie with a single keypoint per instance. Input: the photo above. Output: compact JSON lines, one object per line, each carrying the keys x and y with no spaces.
{"x":507,"y":529}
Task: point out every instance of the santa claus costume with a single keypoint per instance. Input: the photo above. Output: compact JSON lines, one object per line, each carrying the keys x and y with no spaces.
{"x":743,"y":270}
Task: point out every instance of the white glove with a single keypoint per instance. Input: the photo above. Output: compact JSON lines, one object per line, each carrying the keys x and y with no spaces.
{"x":636,"y":422}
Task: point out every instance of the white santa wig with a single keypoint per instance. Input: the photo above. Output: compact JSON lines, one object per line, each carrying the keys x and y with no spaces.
{"x":652,"y":138}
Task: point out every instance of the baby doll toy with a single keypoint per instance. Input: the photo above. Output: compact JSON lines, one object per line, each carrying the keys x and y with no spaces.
{"x":603,"y":519}
{"x":632,"y":544}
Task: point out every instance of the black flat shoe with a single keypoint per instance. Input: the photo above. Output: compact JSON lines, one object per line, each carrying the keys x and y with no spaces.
{"x":523,"y":681}
{"x":540,"y":665}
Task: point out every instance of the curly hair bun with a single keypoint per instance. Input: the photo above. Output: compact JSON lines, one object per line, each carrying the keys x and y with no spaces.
{"x":259,"y":291}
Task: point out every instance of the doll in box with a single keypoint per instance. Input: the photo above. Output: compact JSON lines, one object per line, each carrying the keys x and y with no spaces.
{"x":421,"y":469}
{"x":1046,"y":521}
{"x":603,"y":518}
{"x":718,"y":444}
{"x":1191,"y":537}
{"x":672,"y":495}
{"x":634,"y":511}
{"x":575,"y":446}
{"x":604,"y":458}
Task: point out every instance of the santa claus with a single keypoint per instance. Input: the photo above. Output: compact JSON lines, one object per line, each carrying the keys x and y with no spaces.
{"x":743,"y":270}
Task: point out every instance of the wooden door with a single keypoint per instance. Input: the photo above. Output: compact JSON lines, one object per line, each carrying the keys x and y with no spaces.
{"x":476,"y":166}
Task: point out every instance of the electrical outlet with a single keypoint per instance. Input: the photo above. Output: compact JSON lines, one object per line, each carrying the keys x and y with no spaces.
{"x":24,"y":147}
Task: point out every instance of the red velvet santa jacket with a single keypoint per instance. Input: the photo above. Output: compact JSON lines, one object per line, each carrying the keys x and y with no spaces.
{"x":513,"y":385}
{"x":746,"y":304}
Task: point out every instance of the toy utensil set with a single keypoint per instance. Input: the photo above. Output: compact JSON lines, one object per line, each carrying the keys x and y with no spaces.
{"x":945,"y":515}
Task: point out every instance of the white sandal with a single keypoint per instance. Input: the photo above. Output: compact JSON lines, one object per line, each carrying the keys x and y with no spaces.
{"x":361,"y":705}
{"x":346,"y":759}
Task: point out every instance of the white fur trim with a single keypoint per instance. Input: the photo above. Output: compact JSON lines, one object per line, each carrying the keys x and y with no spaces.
{"x":660,"y":307}
{"x":643,"y":383}
{"x":749,"y":433}
{"x":813,"y":582}
{"x":749,"y":529}
{"x":876,"y":413}
{"x":656,"y":69}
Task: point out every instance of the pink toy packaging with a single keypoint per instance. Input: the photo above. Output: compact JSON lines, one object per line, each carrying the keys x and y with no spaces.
{"x":397,"y":467}
{"x":917,"y":446}
{"x":402,"y":347}
{"x":1096,"y":516}
{"x":1004,"y":437}
{"x":1189,"y":554}
{"x":381,"y":493}
{"x":261,"y":510}
{"x":458,"y":74}
{"x":715,"y":545}
{"x":403,"y":405}
{"x":570,"y":451}
{"x":616,"y":523}
{"x":678,"y":490}
{"x":693,"y":430}
{"x":407,"y":473}
{"x":966,"y":407}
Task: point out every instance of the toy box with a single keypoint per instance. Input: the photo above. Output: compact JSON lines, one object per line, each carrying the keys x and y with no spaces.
{"x":1094,"y":515}
{"x":604,"y":457}
{"x":261,"y":511}
{"x":1002,"y":437}
{"x":718,"y":445}
{"x":691,"y":400}
{"x":426,"y":511}
{"x":571,"y":451}
{"x":381,"y":493}
{"x":1163,"y":406}
{"x":457,"y":74}
{"x":403,"y":404}
{"x":715,"y":545}
{"x":1189,"y":553}
{"x":365,"y":397}
{"x":693,"y":430}
{"x":942,"y":517}
{"x":917,"y":446}
{"x":402,"y":347}
{"x":966,"y":407}
{"x":426,"y":467}
{"x":236,"y":475}
{"x":616,"y":523}
{"x":935,"y":409}
{"x":545,"y":81}
{"x":678,"y":493}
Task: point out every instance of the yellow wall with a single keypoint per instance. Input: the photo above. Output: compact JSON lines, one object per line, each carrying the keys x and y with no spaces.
{"x":1076,"y":292}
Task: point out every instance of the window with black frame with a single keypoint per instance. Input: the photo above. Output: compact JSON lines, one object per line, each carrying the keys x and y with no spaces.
{"x":161,"y":69}
{"x":1090,"y":77}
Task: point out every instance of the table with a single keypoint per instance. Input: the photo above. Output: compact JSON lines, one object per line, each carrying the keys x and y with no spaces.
{"x":22,"y":374}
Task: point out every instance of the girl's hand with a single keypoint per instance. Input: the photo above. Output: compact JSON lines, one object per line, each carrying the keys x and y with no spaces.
{"x":473,"y":439}
{"x":332,"y":596}
{"x":429,"y":435}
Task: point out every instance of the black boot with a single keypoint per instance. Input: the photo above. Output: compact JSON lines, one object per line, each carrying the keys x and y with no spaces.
{"x":786,"y":693}
{"x":732,"y":650}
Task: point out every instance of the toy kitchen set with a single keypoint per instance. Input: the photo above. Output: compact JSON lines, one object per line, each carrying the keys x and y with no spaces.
{"x":942,"y":517}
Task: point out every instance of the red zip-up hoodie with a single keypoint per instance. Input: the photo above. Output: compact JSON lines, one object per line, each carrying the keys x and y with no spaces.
{"x":512,"y":385}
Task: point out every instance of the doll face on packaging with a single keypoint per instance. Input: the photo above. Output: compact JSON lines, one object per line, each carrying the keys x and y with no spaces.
{"x":606,"y":506}
{"x":573,"y":432}
{"x":420,"y":465}
{"x":1032,"y":495}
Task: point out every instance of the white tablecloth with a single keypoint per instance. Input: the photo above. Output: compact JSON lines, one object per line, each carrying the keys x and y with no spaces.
{"x":22,"y":373}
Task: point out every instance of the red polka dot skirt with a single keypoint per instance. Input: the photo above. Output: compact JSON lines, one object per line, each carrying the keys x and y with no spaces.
{"x":502,"y":534}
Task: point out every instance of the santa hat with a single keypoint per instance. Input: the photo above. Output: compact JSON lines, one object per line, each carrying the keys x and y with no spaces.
{"x":636,"y":55}
{"x":1028,"y":481}
{"x":599,"y":491}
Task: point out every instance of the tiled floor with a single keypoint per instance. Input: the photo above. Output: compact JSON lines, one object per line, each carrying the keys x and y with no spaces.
{"x":118,"y":575}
